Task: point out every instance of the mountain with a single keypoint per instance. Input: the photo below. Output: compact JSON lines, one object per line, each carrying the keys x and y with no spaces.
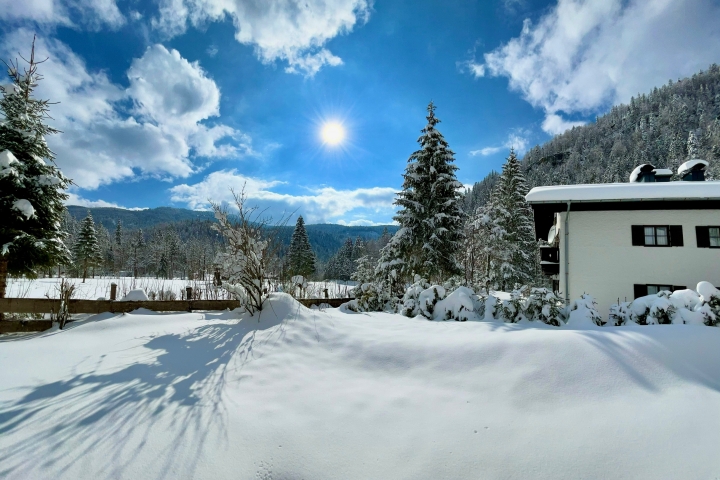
{"x":325,"y":238}
{"x":664,"y":127}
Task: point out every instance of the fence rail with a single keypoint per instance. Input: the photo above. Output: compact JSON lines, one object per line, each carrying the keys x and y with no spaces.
{"x":45,"y":305}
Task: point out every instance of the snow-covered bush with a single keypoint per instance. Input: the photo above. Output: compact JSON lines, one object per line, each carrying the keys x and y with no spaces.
{"x":583,"y":312}
{"x":653,"y":309}
{"x":619,"y":314}
{"x":420,"y":299}
{"x":410,"y":301}
{"x":369,"y":297}
{"x":709,"y":306}
{"x":546,"y":306}
{"x":461,"y":305}
{"x":678,"y":307}
{"x":512,"y":311}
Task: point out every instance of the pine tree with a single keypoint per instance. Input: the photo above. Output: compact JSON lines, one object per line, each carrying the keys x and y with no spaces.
{"x":430,"y":215}
{"x":301,"y":258}
{"x":692,"y":146}
{"x":137,"y":251}
{"x":31,"y":186}
{"x":510,"y":229}
{"x":86,"y":249}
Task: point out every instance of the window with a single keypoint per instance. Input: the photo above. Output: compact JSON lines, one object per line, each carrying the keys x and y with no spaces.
{"x":657,"y":235}
{"x":708,"y":237}
{"x":714,"y":236}
{"x":653,"y":289}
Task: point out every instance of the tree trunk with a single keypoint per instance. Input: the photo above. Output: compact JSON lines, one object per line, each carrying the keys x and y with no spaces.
{"x":3,"y":281}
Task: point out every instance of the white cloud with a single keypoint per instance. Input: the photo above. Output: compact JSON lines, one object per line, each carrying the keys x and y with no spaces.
{"x":322,"y":204}
{"x":75,"y":199}
{"x":587,"y":54}
{"x":517,"y":140}
{"x":294,"y":31}
{"x":161,"y":137}
{"x":91,"y":13}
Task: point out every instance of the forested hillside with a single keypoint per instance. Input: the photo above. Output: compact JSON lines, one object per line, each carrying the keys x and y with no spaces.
{"x":326,"y":239}
{"x":664,"y":127}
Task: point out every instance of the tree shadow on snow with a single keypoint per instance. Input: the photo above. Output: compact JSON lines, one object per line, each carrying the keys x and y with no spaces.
{"x":181,"y":382}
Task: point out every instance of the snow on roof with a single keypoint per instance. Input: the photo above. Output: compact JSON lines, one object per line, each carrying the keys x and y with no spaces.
{"x":625,"y":192}
{"x":687,"y":166}
{"x":645,"y":167}
{"x":663,"y":172}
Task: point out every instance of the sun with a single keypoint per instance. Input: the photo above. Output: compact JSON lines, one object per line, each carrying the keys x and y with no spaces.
{"x":332,"y":133}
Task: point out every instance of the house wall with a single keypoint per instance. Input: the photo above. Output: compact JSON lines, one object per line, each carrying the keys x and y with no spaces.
{"x":604,"y":263}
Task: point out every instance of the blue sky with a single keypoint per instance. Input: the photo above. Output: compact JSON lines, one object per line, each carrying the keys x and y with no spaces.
{"x":175,"y":102}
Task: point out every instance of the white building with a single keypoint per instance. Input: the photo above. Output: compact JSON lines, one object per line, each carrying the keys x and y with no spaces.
{"x":620,"y":241}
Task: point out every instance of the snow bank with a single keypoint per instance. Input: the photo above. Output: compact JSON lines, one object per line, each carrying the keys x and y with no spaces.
{"x":137,"y":295}
{"x":299,"y":393}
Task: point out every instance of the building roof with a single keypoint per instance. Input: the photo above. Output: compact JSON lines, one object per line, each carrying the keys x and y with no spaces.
{"x":626,"y":192}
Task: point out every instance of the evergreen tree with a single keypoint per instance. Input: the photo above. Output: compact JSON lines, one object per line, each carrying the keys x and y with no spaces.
{"x":341,"y":266}
{"x":86,"y":249}
{"x":430,"y":215}
{"x":31,"y":186}
{"x":137,"y":252}
{"x":301,"y":258}
{"x":511,"y":231}
{"x":692,"y":146}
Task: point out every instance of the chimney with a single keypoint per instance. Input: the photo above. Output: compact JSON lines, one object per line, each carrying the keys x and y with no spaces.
{"x":693,"y":170}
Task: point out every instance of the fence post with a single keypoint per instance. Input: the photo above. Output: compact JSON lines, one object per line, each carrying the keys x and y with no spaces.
{"x":188,"y":293}
{"x":326,"y":293}
{"x":113,"y":291}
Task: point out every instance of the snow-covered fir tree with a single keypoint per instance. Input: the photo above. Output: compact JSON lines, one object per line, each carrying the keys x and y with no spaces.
{"x":31,"y":186}
{"x":692,"y":146}
{"x":341,"y":266}
{"x":507,"y":231}
{"x":430,"y":215}
{"x":86,"y":249}
{"x":301,"y":258}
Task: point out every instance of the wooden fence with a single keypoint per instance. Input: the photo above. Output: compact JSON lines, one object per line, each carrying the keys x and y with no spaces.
{"x":45,"y":305}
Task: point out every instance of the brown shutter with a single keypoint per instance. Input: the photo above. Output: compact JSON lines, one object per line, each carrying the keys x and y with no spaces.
{"x":676,"y":236}
{"x":638,"y":235}
{"x":703,"y":237}
{"x":640,"y":290}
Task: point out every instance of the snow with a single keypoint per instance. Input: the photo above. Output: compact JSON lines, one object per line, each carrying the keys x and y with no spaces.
{"x":687,"y":166}
{"x":137,"y":295}
{"x":100,"y":287}
{"x":626,"y":191}
{"x":7,"y":159}
{"x":321,"y":394}
{"x":638,"y":170}
{"x":24,"y":207}
{"x":663,"y":172}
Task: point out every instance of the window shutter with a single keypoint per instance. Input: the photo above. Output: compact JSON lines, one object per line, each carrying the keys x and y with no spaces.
{"x":703,"y":237}
{"x":638,"y":235}
{"x":676,"y":236}
{"x":678,"y":287}
{"x":640,"y":290}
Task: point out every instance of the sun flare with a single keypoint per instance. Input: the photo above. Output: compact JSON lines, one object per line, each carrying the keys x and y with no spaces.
{"x":332,"y":133}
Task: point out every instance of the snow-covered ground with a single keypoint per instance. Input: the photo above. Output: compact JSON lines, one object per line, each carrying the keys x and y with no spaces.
{"x":324,"y":394}
{"x":94,"y":288}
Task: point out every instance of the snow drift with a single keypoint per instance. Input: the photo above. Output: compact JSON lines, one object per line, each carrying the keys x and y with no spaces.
{"x":322,"y":394}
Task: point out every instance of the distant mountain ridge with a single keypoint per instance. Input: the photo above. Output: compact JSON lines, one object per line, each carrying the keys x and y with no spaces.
{"x":326,"y":238}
